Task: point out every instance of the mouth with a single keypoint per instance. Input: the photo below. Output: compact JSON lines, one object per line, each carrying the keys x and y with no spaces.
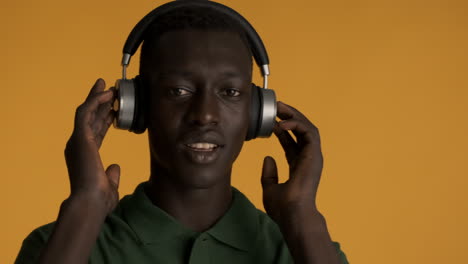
{"x":202,"y":153}
{"x":202,"y":146}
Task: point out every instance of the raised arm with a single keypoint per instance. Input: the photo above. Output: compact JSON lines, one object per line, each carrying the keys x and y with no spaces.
{"x":94,"y":192}
{"x":292,"y":204}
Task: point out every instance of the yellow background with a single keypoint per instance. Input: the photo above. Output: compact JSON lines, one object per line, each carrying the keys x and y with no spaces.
{"x":385,"y":82}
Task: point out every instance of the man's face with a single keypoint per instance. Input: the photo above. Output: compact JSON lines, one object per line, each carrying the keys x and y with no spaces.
{"x":199,"y":105}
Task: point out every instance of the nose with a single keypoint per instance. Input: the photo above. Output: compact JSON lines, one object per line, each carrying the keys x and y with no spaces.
{"x":204,"y":110}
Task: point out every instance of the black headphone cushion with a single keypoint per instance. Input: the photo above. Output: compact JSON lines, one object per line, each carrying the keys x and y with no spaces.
{"x":139,"y":115}
{"x":255,"y":111}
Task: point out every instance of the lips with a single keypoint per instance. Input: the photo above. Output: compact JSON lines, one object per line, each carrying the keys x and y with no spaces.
{"x":202,"y":147}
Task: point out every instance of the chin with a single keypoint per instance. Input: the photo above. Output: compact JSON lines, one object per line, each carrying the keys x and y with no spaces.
{"x":203,"y":178}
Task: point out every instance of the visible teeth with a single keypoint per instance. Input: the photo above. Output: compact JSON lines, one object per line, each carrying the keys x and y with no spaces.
{"x":202,"y":145}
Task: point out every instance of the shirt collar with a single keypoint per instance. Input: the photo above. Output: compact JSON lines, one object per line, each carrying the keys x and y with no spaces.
{"x":238,"y":227}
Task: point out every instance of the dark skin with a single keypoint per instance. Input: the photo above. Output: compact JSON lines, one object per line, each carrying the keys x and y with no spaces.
{"x":203,"y":80}
{"x":206,"y":88}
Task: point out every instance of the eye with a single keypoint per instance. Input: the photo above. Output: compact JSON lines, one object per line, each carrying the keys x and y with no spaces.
{"x":232,"y":92}
{"x":179,"y":91}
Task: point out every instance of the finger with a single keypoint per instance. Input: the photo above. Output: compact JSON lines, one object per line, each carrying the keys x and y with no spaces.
{"x":289,"y":112}
{"x":113,"y":172}
{"x":104,"y":128}
{"x":99,"y":120}
{"x":98,"y":86}
{"x":86,"y":112}
{"x":287,"y":142}
{"x":91,"y":105}
{"x":310,"y":159}
{"x":102,"y":114}
{"x":104,"y":108}
{"x":109,"y":119}
{"x":308,"y":139}
{"x":269,"y":172}
{"x":285,"y":111}
{"x":301,"y":130}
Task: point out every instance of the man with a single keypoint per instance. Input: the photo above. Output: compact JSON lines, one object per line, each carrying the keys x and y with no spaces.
{"x":196,"y":67}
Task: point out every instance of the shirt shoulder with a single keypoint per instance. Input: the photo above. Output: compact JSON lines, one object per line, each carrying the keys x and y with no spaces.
{"x":33,"y":243}
{"x":272,"y":240}
{"x":271,"y":247}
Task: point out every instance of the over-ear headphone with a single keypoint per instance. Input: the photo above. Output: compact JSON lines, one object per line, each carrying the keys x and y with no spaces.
{"x":130,"y":102}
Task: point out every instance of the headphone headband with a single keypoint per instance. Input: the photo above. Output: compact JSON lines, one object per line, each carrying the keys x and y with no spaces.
{"x":132,"y":104}
{"x":136,"y":35}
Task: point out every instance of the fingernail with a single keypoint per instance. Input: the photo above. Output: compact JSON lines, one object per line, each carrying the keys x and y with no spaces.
{"x":281,"y":124}
{"x":108,"y":93}
{"x":100,"y":80}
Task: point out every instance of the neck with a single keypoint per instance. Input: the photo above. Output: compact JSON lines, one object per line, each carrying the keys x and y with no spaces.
{"x":194,"y":207}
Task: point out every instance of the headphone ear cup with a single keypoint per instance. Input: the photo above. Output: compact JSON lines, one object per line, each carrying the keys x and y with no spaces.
{"x":268,"y":111}
{"x":255,"y":113}
{"x":124,"y":105}
{"x":139,"y":115}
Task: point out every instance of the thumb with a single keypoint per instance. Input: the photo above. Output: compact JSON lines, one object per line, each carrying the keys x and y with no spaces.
{"x":269,"y":172}
{"x":113,"y":172}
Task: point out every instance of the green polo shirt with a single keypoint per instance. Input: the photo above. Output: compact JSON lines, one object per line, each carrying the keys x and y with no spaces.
{"x":139,"y":232}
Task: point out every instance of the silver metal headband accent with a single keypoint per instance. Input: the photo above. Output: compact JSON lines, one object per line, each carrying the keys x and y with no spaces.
{"x":265,"y":69}
{"x":125,"y":61}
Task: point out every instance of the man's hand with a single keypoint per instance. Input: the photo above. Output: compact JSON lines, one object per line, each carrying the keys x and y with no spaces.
{"x":88,"y":180}
{"x":305,"y":161}
{"x":292,"y":204}
{"x":93,"y":191}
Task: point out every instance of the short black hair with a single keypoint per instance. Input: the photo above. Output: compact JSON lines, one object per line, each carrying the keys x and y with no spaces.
{"x":190,"y":18}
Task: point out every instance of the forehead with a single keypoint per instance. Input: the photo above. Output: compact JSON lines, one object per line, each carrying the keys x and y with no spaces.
{"x":196,"y":50}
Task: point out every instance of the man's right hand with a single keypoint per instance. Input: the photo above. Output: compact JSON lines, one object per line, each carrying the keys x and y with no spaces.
{"x":94,"y":192}
{"x":88,"y":180}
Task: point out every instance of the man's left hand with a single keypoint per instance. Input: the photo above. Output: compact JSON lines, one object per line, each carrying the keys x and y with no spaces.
{"x":295,"y":197}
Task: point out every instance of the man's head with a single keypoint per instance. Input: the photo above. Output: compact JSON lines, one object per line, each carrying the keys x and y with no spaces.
{"x":197,"y":67}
